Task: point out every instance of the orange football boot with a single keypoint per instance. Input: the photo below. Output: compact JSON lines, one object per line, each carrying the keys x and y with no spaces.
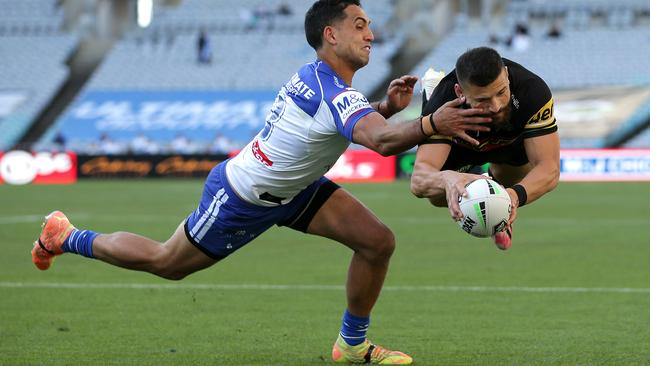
{"x":367,"y":352}
{"x":56,"y":229}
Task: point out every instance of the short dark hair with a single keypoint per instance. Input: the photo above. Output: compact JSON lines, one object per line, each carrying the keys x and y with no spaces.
{"x":479,"y":66}
{"x":324,"y":13}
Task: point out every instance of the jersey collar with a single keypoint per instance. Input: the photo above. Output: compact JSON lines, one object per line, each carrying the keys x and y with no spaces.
{"x":324,"y":67}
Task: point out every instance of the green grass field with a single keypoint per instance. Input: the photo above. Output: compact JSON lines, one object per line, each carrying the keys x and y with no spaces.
{"x":573,"y":290}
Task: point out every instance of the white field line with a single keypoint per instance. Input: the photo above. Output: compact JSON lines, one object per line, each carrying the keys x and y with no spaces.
{"x":9,"y":220}
{"x":191,"y":286}
{"x":29,"y":219}
{"x":146,"y":218}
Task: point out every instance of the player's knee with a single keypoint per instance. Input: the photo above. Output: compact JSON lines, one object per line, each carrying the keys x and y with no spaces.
{"x":383,"y":245}
{"x":170,"y":272}
{"x":387,"y":246}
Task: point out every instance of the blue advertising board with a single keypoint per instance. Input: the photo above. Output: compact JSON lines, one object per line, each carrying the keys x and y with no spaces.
{"x":161,"y":115}
{"x":581,"y":165}
{"x":605,"y":165}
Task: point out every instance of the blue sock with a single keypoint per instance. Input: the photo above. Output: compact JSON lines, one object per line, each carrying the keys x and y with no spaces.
{"x":80,"y":242}
{"x":354,"y":328}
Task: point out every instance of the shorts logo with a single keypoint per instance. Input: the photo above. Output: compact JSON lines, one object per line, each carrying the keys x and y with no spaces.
{"x":348,"y":103}
{"x":209,"y":216}
{"x":464,"y":169}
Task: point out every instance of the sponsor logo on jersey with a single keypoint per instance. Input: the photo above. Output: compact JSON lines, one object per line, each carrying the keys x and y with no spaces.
{"x":296,"y":86}
{"x":515,"y":101}
{"x":543,"y":118}
{"x":338,"y":83}
{"x":259,"y":154}
{"x":348,"y":103}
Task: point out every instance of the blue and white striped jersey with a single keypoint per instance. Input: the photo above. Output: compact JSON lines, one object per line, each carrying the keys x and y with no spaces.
{"x":308,"y":128}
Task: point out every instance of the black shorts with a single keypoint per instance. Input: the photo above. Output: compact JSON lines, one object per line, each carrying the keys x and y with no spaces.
{"x":462,"y":159}
{"x":301,"y":220}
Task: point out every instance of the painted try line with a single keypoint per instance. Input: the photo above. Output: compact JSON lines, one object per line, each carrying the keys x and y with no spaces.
{"x":191,"y":286}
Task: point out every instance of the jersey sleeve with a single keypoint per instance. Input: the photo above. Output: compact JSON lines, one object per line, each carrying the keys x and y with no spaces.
{"x":347,"y":106}
{"x":542,"y":119}
{"x":312,"y":90}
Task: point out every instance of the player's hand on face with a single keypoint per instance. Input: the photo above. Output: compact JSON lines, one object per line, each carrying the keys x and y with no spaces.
{"x":452,"y":120}
{"x":455,"y":184}
{"x":400,"y":92}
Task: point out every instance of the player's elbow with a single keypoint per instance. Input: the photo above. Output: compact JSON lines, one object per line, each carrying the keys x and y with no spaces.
{"x":384,"y":142}
{"x":385,"y":149}
{"x":388,"y":152}
{"x":554,"y":178}
{"x":417,"y":186}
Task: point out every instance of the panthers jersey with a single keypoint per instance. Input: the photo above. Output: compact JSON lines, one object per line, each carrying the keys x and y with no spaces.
{"x":531,"y":105}
{"x":308,"y":128}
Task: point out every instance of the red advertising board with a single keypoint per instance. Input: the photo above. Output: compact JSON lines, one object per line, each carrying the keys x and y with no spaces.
{"x":363,"y":166}
{"x":22,"y":167}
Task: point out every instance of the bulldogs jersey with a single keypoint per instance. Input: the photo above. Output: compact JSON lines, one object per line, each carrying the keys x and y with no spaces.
{"x":308,"y":128}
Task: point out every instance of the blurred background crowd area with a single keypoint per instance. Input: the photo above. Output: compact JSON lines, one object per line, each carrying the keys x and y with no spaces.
{"x":199,"y":76}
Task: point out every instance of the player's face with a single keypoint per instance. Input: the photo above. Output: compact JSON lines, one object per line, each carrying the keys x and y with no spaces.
{"x":494,"y":97}
{"x":354,"y":37}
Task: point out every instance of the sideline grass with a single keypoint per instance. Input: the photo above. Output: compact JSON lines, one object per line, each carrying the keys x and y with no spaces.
{"x":579,"y":236}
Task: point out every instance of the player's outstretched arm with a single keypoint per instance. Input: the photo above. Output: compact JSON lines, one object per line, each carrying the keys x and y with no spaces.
{"x":373,"y":132}
{"x":427,"y":179}
{"x":442,"y":188}
{"x":544,"y":155}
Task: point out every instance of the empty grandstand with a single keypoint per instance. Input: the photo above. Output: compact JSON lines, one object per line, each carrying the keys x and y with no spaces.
{"x":33,"y":55}
{"x":251,"y":59}
{"x":596,"y":45}
{"x":149,"y":81}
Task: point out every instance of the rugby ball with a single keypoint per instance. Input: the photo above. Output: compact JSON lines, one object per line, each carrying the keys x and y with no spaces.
{"x":486,"y":208}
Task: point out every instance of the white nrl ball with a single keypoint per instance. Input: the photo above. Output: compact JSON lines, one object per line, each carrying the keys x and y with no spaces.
{"x":486,"y":209}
